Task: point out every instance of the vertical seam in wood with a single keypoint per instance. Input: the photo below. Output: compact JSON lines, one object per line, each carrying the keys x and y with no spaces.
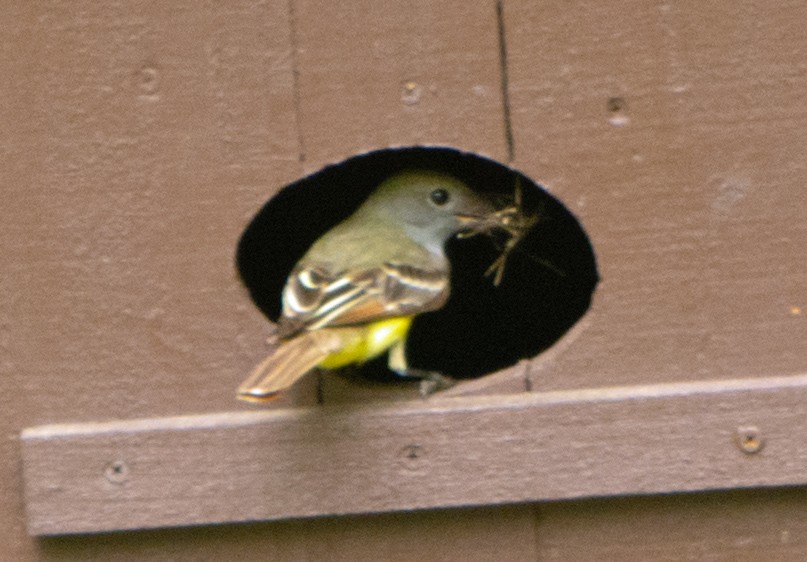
{"x":505,"y":83}
{"x":295,"y":72}
{"x":536,"y":527}
{"x":528,"y":377}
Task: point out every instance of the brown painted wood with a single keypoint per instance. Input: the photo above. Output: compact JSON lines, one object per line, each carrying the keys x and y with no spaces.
{"x":139,"y":138}
{"x":674,"y":130}
{"x":444,"y":452}
{"x":471,"y":534}
{"x":375,"y":74}
{"x":137,"y":141}
{"x":731,"y":526}
{"x":383,"y":84}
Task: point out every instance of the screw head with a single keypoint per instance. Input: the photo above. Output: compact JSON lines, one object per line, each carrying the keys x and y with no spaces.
{"x":411,"y":92}
{"x":749,"y":439}
{"x":117,"y":472}
{"x":412,"y":457}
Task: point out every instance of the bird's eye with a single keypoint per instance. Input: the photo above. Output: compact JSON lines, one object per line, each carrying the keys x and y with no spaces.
{"x":439,"y":197}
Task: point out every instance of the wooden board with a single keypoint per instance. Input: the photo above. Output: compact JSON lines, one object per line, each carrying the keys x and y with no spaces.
{"x":140,"y":137}
{"x":137,"y":140}
{"x":376,"y":74}
{"x":675,"y":132}
{"x":445,"y":452}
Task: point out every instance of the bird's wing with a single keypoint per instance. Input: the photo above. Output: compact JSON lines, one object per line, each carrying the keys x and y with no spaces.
{"x":315,"y":298}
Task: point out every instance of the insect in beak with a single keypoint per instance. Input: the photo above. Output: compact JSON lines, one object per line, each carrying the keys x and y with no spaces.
{"x":511,"y":219}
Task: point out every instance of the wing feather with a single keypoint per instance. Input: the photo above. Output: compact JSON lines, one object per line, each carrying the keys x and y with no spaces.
{"x":288,"y":363}
{"x":314,"y":298}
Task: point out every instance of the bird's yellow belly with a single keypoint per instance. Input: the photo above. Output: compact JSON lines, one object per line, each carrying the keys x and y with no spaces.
{"x":369,"y":342}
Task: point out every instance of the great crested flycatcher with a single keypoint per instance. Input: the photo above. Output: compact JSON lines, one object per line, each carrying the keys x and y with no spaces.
{"x":354,"y":294}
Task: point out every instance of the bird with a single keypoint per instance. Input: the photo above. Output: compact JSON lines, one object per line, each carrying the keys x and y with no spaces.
{"x":353,"y":295}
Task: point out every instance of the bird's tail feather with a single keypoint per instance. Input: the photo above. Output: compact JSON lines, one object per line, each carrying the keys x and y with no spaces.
{"x":288,"y":364}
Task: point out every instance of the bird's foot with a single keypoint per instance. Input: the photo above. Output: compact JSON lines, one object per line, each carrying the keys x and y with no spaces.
{"x":431,"y":381}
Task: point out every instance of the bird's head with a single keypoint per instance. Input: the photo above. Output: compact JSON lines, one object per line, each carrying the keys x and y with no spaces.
{"x":430,"y":206}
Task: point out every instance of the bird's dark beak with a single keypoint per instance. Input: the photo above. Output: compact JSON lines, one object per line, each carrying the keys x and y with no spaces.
{"x":488,"y":218}
{"x":470,"y":222}
{"x":504,"y":213}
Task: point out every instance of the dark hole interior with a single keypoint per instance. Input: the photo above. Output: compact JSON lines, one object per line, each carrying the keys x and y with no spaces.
{"x":546,"y":288}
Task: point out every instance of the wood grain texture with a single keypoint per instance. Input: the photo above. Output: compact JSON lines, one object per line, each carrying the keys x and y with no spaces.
{"x":674,"y":131}
{"x":445,"y":452}
{"x":731,"y":526}
{"x":478,"y":534}
{"x":137,"y":140}
{"x":373,"y":74}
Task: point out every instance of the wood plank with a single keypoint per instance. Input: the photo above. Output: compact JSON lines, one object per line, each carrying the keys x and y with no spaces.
{"x":674,"y":131}
{"x":447,"y":535}
{"x":408,"y":73}
{"x":730,"y":526}
{"x":137,"y":140}
{"x":397,"y":73}
{"x":455,"y":451}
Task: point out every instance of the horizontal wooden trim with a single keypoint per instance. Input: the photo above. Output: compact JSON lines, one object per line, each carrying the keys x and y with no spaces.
{"x":447,"y":451}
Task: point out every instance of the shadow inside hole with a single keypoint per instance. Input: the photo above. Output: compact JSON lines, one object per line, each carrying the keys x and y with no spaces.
{"x":547,"y":285}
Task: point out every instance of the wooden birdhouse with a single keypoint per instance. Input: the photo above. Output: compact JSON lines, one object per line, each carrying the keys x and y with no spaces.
{"x":634,"y":387}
